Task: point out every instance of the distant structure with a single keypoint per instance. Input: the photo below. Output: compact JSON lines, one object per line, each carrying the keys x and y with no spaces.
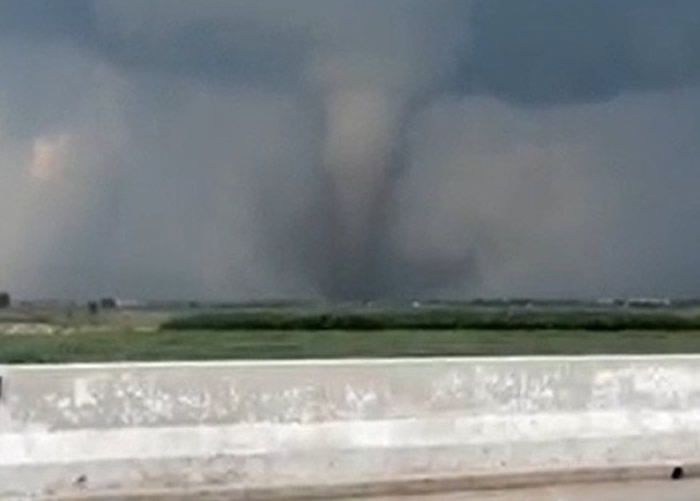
{"x":93,"y":307}
{"x":5,"y":300}
{"x":649,"y":302}
{"x":109,"y":303}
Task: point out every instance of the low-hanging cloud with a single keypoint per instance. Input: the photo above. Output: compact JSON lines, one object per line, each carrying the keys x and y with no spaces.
{"x":348,"y":149}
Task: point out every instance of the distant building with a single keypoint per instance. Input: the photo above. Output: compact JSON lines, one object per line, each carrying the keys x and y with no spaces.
{"x":131,"y":303}
{"x":5,"y":300}
{"x":108,"y":303}
{"x":611,"y":301}
{"x":652,"y":302}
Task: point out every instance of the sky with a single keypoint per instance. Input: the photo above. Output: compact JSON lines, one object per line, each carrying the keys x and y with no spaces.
{"x":349,"y":149}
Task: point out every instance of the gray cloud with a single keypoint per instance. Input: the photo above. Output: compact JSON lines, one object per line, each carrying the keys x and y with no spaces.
{"x":336,"y":148}
{"x":544,"y":51}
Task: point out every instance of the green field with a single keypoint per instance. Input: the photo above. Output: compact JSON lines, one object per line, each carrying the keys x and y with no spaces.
{"x":122,"y":345}
{"x":36,"y":335}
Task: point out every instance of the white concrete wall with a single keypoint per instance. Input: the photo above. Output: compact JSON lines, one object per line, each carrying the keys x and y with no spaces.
{"x":131,"y":426}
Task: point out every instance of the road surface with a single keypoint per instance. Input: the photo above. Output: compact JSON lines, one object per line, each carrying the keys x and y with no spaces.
{"x":682,"y":490}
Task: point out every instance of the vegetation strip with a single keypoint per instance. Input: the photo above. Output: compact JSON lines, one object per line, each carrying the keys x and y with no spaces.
{"x":438,"y":319}
{"x":130,"y":345}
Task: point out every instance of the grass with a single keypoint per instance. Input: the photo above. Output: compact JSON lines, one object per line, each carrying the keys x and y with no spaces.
{"x":127,"y":345}
{"x":303,"y":332}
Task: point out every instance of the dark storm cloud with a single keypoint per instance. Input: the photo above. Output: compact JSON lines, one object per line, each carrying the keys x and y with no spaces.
{"x":210,"y":49}
{"x":347,"y":148}
{"x":536,"y":51}
{"x":541,"y":51}
{"x":39,"y":20}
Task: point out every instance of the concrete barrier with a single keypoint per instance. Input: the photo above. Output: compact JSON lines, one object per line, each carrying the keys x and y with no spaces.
{"x":73,"y":429}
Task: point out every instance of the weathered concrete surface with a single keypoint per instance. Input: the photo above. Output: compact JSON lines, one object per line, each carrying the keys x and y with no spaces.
{"x":134,"y":426}
{"x":637,"y":491}
{"x":509,"y":484}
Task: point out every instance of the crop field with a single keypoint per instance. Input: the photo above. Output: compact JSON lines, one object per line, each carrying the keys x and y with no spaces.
{"x":33,"y":335}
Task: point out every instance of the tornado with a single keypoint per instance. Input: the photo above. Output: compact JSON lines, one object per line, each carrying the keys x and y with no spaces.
{"x":358,"y":159}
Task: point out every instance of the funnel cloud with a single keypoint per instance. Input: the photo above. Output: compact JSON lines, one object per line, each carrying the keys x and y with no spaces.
{"x":349,"y":149}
